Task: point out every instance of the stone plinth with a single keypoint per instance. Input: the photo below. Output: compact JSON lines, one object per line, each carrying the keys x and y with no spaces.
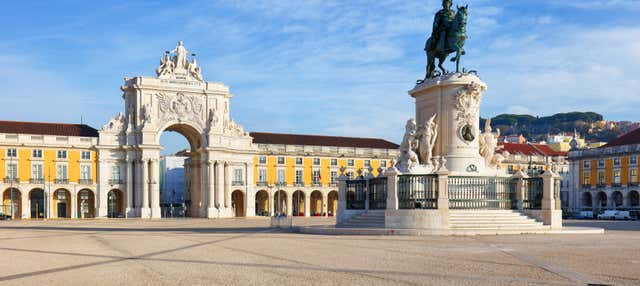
{"x":455,"y":98}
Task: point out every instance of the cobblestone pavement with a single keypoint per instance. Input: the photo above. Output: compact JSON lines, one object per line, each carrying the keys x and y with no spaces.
{"x":248,"y":252}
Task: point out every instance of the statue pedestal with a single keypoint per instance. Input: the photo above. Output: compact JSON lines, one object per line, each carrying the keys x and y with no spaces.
{"x":455,"y":99}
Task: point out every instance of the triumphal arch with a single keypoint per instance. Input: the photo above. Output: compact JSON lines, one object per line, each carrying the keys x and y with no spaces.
{"x":176,"y":99}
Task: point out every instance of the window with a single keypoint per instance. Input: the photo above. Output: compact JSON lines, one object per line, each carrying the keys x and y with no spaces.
{"x":349,"y":174}
{"x":616,"y":161}
{"x":12,"y":171}
{"x":85,"y":155}
{"x":36,"y":172}
{"x":586,"y":179}
{"x":85,"y":172}
{"x":62,"y":154}
{"x":262,"y":160}
{"x":601,"y":178}
{"x":316,"y":176}
{"x":316,"y":161}
{"x":616,"y":176}
{"x":334,"y":177}
{"x":237,"y":175}
{"x":633,"y":160}
{"x":383,"y":164}
{"x":262,"y":175}
{"x":601,"y":163}
{"x":298,"y":161}
{"x":280,"y":160}
{"x":510,"y":169}
{"x":61,"y":172}
{"x":586,"y":164}
{"x":299,"y":176}
{"x":367,"y":163}
{"x":36,"y":153}
{"x":350,"y":163}
{"x":633,"y":176}
{"x":334,"y":162}
{"x":12,"y":153}
{"x":280,"y":176}
{"x":115,"y":173}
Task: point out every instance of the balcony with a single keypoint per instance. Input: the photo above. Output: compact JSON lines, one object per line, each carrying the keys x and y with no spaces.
{"x":261,"y":184}
{"x":85,"y":181}
{"x":616,"y":185}
{"x":115,"y":182}
{"x":237,"y":183}
{"x":586,"y":186}
{"x":36,"y":181}
{"x":299,"y":184}
{"x":316,"y":184}
{"x":600,"y":185}
{"x":62,"y":181}
{"x":633,"y":184}
{"x":281,"y":184}
{"x":333,"y":184}
{"x":11,"y":180}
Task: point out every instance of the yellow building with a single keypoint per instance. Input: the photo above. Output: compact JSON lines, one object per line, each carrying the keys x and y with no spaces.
{"x":300,"y":172}
{"x":607,"y":177}
{"x":48,"y":170}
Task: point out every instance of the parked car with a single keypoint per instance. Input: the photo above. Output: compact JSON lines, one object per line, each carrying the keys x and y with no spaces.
{"x":615,"y":215}
{"x":585,"y":215}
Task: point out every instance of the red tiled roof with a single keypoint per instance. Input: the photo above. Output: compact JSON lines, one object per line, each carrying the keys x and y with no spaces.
{"x":40,"y":128}
{"x":529,"y":149}
{"x":630,"y":138}
{"x":318,"y":140}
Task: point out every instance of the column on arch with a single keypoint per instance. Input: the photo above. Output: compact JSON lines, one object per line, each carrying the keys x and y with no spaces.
{"x":74,"y":203}
{"x":227,"y":185}
{"x":154,"y":165}
{"x":129,"y":166}
{"x":144,"y":209}
{"x":26,"y":204}
{"x":324,"y":203}
{"x":220,"y":184}
{"x":307,"y":204}
{"x":290,"y":204}
{"x":250,"y":198}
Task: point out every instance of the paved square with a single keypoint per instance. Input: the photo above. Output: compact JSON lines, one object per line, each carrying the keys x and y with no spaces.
{"x":247,"y":252}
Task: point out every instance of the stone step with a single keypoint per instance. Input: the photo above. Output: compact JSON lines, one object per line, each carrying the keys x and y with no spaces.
{"x":521,"y":218}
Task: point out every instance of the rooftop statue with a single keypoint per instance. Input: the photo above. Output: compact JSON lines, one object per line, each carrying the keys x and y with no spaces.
{"x":178,"y":65}
{"x":448,"y":36}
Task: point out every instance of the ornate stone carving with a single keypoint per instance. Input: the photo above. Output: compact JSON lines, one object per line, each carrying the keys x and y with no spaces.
{"x":178,"y":65}
{"x":116,"y":124}
{"x":408,"y":158}
{"x":179,"y":106}
{"x":489,"y":145}
{"x":427,"y":135}
{"x":145,"y":114}
{"x":232,"y":128}
{"x":467,"y":105}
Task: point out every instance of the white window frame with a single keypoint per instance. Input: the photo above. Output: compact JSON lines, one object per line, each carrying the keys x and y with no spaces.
{"x":262,"y":159}
{"x":586,"y":164}
{"x":316,"y":179}
{"x":36,"y":153}
{"x":15,"y":174}
{"x":85,"y":175}
{"x":12,"y":153}
{"x":281,"y":160}
{"x":60,"y":176}
{"x":333,"y":177}
{"x":62,"y":152}
{"x":616,"y":179}
{"x":383,"y":164}
{"x":316,"y":161}
{"x":83,"y":153}
{"x":334,"y":162}
{"x":262,"y":175}
{"x":299,"y":161}
{"x":115,"y":172}
{"x":299,"y":179}
{"x":631,"y":175}
{"x":351,"y":162}
{"x":238,"y":175}
{"x":35,"y":173}
{"x":633,"y":160}
{"x":281,"y":176}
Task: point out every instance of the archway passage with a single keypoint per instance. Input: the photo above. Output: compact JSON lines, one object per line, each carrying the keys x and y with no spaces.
{"x":634,"y":199}
{"x":316,"y":203}
{"x":587,"y":201}
{"x":601,"y":200}
{"x":61,"y":204}
{"x":12,"y":203}
{"x":115,"y":204}
{"x":298,"y":203}
{"x":617,"y":199}
{"x":86,"y":204}
{"x":237,"y":203}
{"x":180,"y":171}
{"x":332,"y":204}
{"x":36,"y":199}
{"x":280,"y":203}
{"x":262,"y":203}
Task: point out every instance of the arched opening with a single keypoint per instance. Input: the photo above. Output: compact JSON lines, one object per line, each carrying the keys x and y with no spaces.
{"x":36,"y":199}
{"x":12,"y":203}
{"x":587,"y":201}
{"x":86,"y":204}
{"x":316,"y":203}
{"x":332,"y":204}
{"x":115,"y":204}
{"x":298,"y":203}
{"x":237,"y":203}
{"x":634,"y":199}
{"x":180,"y":171}
{"x":262,"y":203}
{"x":617,"y":199}
{"x":61,"y":204}
{"x":601,"y":200}
{"x":280,"y":203}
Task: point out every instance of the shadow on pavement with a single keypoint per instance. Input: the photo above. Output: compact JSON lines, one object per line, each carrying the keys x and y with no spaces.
{"x":606,"y":224}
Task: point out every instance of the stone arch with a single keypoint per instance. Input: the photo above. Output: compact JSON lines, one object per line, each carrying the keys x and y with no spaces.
{"x":280,"y":202}
{"x":37,"y":203}
{"x":617,"y":199}
{"x":191,"y":132}
{"x":633,"y":199}
{"x":316,"y":203}
{"x":262,"y":203}
{"x":61,"y":204}
{"x":238,"y":203}
{"x":298,"y":203}
{"x":332,"y":203}
{"x":86,"y":203}
{"x":601,"y":200}
{"x":12,"y":202}
{"x":587,"y":200}
{"x":115,"y":204}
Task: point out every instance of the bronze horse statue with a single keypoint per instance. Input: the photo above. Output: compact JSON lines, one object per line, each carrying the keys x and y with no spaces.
{"x":456,"y":36}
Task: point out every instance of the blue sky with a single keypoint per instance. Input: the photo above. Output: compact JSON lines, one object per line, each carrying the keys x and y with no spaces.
{"x":318,"y":67}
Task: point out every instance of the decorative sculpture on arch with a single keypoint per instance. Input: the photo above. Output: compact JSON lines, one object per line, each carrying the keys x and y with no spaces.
{"x":115,"y":124}
{"x":178,"y":65}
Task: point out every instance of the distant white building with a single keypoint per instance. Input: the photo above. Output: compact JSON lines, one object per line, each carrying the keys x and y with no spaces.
{"x":172,"y":179}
